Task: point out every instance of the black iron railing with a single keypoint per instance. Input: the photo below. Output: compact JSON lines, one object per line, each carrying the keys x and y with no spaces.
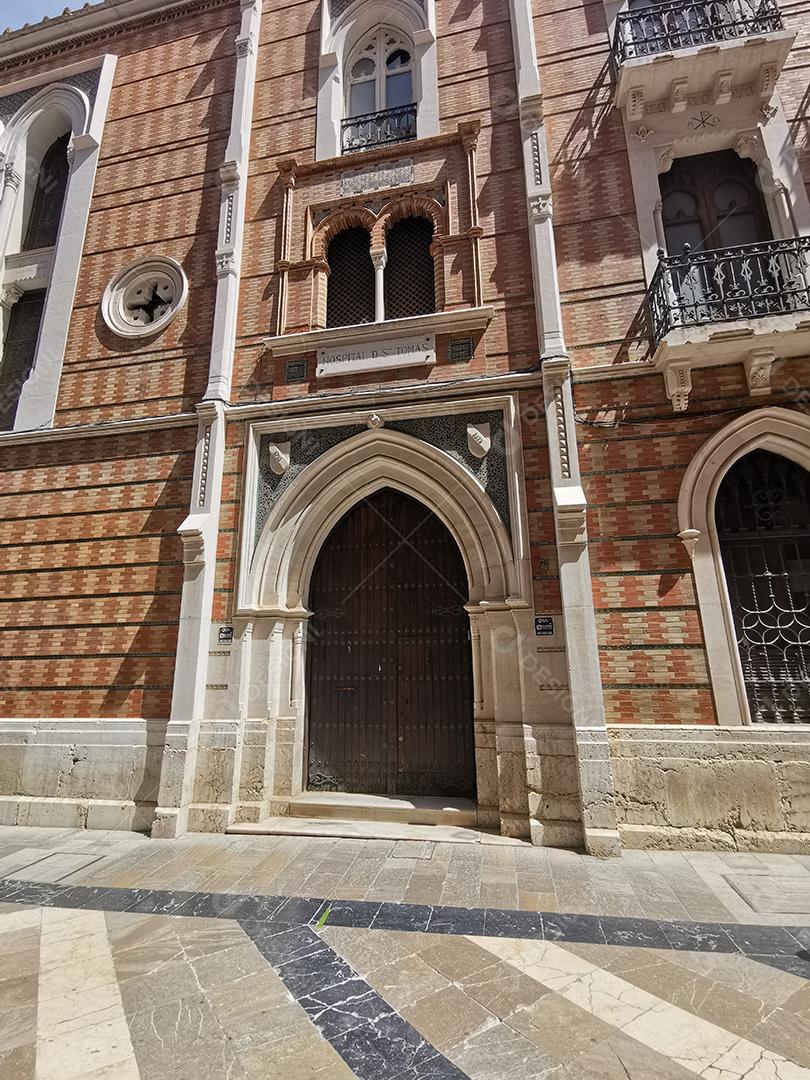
{"x":753,"y":281}
{"x":378,"y":129}
{"x":664,"y":27}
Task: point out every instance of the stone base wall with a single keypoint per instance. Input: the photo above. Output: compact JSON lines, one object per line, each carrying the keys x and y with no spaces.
{"x":95,"y":774}
{"x":744,"y":789}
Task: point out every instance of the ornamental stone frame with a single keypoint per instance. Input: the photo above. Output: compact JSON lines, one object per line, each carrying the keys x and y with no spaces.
{"x":782,"y":431}
{"x":37,"y":401}
{"x":401,"y":206}
{"x":274,"y":591}
{"x":340,"y":34}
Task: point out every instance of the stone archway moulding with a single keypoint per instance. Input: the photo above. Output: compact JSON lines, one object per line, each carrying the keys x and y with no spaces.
{"x":278,"y":578}
{"x":782,"y":431}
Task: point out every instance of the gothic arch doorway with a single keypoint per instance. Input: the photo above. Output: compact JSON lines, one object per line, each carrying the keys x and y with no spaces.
{"x":763,"y":526}
{"x":389,"y":685}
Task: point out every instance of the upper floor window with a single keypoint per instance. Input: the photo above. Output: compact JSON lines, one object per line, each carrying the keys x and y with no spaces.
{"x":409,"y":271}
{"x":48,"y":197}
{"x":398,"y":283}
{"x":712,"y":201}
{"x":350,"y":292}
{"x":380,"y":101}
{"x":19,"y":349}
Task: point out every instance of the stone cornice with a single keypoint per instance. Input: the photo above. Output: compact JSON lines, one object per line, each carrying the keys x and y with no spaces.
{"x":53,"y":37}
{"x":87,"y":431}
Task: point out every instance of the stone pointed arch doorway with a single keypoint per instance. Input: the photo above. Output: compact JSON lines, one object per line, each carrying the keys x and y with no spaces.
{"x":389,"y":686}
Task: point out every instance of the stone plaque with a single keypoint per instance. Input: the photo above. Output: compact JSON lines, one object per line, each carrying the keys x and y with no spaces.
{"x":377,"y":356}
{"x":773,"y":895}
{"x":388,"y":174}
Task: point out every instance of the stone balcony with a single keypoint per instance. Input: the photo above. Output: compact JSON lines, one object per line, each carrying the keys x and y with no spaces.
{"x":749,"y":303}
{"x":723,"y":49}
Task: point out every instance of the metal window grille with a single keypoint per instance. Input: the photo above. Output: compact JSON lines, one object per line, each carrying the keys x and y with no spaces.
{"x":295,"y":371}
{"x":763,"y":523}
{"x":460,"y":350}
{"x":350,"y":292}
{"x":49,"y":195}
{"x":661,"y":28}
{"x":747,"y":282}
{"x":409,"y":271}
{"x":18,"y":353}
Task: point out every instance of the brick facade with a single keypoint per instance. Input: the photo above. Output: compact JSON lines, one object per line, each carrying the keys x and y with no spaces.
{"x":99,"y":619}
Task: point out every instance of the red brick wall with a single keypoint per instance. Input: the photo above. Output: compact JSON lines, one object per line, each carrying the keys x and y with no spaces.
{"x":92,"y":564}
{"x":91,"y":573}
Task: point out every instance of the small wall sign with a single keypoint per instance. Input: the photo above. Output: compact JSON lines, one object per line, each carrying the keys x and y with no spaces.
{"x":225,"y":635}
{"x":543,"y":625}
{"x":396,"y":353}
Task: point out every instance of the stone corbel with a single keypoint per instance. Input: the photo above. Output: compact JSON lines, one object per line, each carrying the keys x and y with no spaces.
{"x":666,"y":157}
{"x":479,"y":439}
{"x":540,"y":207}
{"x":244,"y":46}
{"x":11,"y":178}
{"x":749,"y":145}
{"x":635,"y":103}
{"x":766,"y":82}
{"x":758,"y":365}
{"x":689,"y":538}
{"x":226,"y":263}
{"x":9,"y":297}
{"x":279,"y":454}
{"x":678,"y":384}
{"x":193,"y":536}
{"x":678,"y":95}
{"x":469,"y":131}
{"x":570,"y":516}
{"x":531,"y":113}
{"x":229,"y":175}
{"x":721,"y":91}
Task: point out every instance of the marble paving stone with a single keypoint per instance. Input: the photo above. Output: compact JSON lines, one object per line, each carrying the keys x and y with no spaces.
{"x":406,"y":981}
{"x":448,"y":1017}
{"x":560,"y":1027}
{"x":19,"y":1062}
{"x":683,"y":1037}
{"x":773,"y":895}
{"x":501,"y":990}
{"x":77,"y":1032}
{"x":501,"y":1053}
{"x":622,"y":1058}
{"x":368,"y":950}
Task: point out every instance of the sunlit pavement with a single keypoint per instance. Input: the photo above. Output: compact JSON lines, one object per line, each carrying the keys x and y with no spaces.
{"x":297,"y":957}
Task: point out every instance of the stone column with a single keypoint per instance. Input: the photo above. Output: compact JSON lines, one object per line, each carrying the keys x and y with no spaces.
{"x":582,"y":650}
{"x":379,"y":258}
{"x":510,"y":742}
{"x":199,"y":536}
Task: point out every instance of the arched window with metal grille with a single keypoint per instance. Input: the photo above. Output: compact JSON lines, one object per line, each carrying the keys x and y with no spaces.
{"x":350,"y":292}
{"x":49,"y":196}
{"x":763,"y":525}
{"x":409,"y":271}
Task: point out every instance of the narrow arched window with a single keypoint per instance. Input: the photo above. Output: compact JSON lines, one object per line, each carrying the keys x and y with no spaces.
{"x":19,"y":349}
{"x":409,"y":271}
{"x":49,"y":196}
{"x":379,"y":79}
{"x":350,"y":291}
{"x":763,"y":526}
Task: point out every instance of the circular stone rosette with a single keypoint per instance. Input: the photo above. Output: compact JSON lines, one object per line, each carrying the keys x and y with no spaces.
{"x":144,"y":297}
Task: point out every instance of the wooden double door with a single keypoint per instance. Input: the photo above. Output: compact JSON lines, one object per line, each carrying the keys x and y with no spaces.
{"x":389,"y":670}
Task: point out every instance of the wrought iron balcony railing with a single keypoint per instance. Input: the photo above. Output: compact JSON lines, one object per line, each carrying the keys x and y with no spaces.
{"x":753,"y":281}
{"x":665,"y":27}
{"x":378,"y":129}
